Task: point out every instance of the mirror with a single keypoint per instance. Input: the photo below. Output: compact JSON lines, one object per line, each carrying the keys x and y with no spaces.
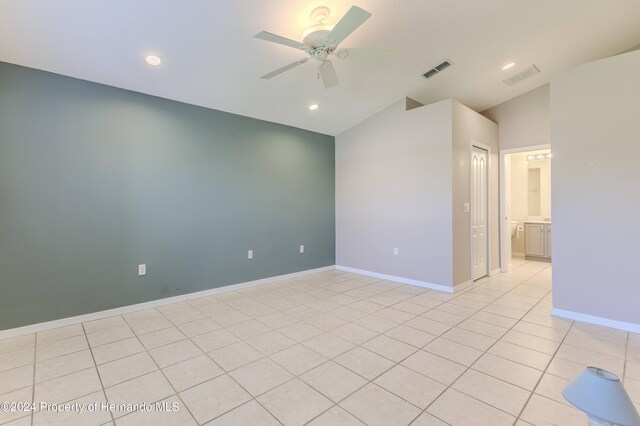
{"x":539,"y":188}
{"x":534,"y":192}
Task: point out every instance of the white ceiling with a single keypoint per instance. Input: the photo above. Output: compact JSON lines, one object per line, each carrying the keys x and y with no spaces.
{"x":211,"y":58}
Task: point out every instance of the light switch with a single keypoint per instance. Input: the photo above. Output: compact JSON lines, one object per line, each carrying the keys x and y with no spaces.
{"x":395,"y":251}
{"x":301,"y":248}
{"x":250,"y":254}
{"x":142,"y":269}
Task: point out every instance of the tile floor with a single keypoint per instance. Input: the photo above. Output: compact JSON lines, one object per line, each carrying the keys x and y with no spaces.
{"x":331,"y":348}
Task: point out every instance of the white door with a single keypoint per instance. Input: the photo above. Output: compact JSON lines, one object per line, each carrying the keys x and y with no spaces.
{"x":479,"y":173}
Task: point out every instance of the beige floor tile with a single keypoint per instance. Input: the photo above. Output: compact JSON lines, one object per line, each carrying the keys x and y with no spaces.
{"x":61,"y":347}
{"x":543,"y":411}
{"x":483,"y":328}
{"x":335,"y":416}
{"x":251,"y":413}
{"x":376,"y":323}
{"x":632,"y":370}
{"x":375,"y":406}
{"x":326,"y":322}
{"x":294,"y":403}
{"x":412,"y":308}
{"x":68,"y":387}
{"x":333,"y":380}
{"x":270,"y":343}
{"x":192,"y":372}
{"x":161,"y":337}
{"x":529,"y":341}
{"x":169,"y":412}
{"x":587,"y":357}
{"x":443,"y":317}
{"x":427,"y":419}
{"x":389,"y":348}
{"x":63,"y":365}
{"x":214,"y":340}
{"x":149,"y":388}
{"x":235,"y":355}
{"x":260,"y":376}
{"x":551,"y":387}
{"x":545,"y":332}
{"x":509,"y":371}
{"x":17,"y":358}
{"x":354,"y":333}
{"x":117,"y":350}
{"x":566,"y":369}
{"x":277,"y":320}
{"x":469,"y":338}
{"x":428,"y":325}
{"x":493,"y":319}
{"x":17,"y":343}
{"x":520,"y":354}
{"x":456,"y":408}
{"x":300,"y":331}
{"x":453,"y":351}
{"x":248,"y":329}
{"x":214,"y":397}
{"x":103,"y":324}
{"x":75,"y":417}
{"x":123,"y":369}
{"x":16,"y":378}
{"x":109,"y":335}
{"x":364,"y":362}
{"x":201,"y":326}
{"x":492,"y":391}
{"x":435,"y":367}
{"x":149,"y":325}
{"x":411,"y":386}
{"x":411,"y":336}
{"x":175,"y":352}
{"x":298,"y":359}
{"x":24,"y":395}
{"x":60,"y":333}
{"x":328,"y":345}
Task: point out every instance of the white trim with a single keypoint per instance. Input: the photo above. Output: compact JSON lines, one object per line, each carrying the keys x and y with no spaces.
{"x":33,"y":328}
{"x":592,"y":319}
{"x":439,"y":287}
{"x":505,"y":228}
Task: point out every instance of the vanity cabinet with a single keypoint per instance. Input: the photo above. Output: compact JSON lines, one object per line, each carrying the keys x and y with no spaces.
{"x":537,"y":241}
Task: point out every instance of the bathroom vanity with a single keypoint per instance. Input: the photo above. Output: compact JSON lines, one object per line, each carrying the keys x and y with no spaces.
{"x":537,"y":240}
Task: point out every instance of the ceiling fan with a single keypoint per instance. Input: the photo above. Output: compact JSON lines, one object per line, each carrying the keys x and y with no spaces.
{"x":321,"y":41}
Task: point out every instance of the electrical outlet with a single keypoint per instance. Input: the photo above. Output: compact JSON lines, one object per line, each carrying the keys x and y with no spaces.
{"x":142,"y":269}
{"x":395,"y":251}
{"x":250,"y":254}
{"x":301,"y":248}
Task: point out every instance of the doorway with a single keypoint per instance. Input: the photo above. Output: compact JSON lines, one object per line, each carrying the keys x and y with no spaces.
{"x":525,"y":205}
{"x":479,"y":213}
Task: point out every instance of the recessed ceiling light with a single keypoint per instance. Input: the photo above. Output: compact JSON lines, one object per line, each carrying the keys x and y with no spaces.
{"x":508,"y":66}
{"x":313,"y":107}
{"x":153,"y":60}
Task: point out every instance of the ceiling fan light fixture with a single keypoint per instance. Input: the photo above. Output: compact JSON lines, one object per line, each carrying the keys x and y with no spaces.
{"x":508,"y":66}
{"x":153,"y":60}
{"x":313,"y":107}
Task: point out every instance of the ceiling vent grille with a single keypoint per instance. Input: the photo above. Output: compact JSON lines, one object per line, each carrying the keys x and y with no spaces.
{"x":439,"y":68}
{"x":522,"y":75}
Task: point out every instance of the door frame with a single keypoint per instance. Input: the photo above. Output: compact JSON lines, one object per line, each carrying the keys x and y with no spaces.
{"x":487,"y":148}
{"x":505,"y":225}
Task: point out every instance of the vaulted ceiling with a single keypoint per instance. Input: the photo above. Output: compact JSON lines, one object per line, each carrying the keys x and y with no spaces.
{"x":212,"y":59}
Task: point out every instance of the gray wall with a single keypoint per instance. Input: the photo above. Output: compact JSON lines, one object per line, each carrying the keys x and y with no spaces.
{"x":523,"y":120}
{"x":393,"y":189}
{"x":595,"y":134}
{"x":95,"y":180}
{"x":469,"y":127}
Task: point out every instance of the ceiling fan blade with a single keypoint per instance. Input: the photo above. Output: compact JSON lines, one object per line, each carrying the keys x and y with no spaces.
{"x":374,"y":53}
{"x":264,"y":35}
{"x":328,"y":74}
{"x":348,"y":24}
{"x":285,"y":68}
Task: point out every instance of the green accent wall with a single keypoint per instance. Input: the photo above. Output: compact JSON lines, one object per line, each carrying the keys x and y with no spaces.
{"x":95,"y":180}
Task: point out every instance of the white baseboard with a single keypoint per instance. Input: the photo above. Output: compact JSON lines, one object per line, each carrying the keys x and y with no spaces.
{"x":432,"y":286}
{"x":33,"y":328}
{"x":592,"y":319}
{"x":495,"y":272}
{"x":462,"y":286}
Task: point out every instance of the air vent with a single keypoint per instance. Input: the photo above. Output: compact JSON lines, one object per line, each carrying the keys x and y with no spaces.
{"x":437,"y":69}
{"x":522,"y":75}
